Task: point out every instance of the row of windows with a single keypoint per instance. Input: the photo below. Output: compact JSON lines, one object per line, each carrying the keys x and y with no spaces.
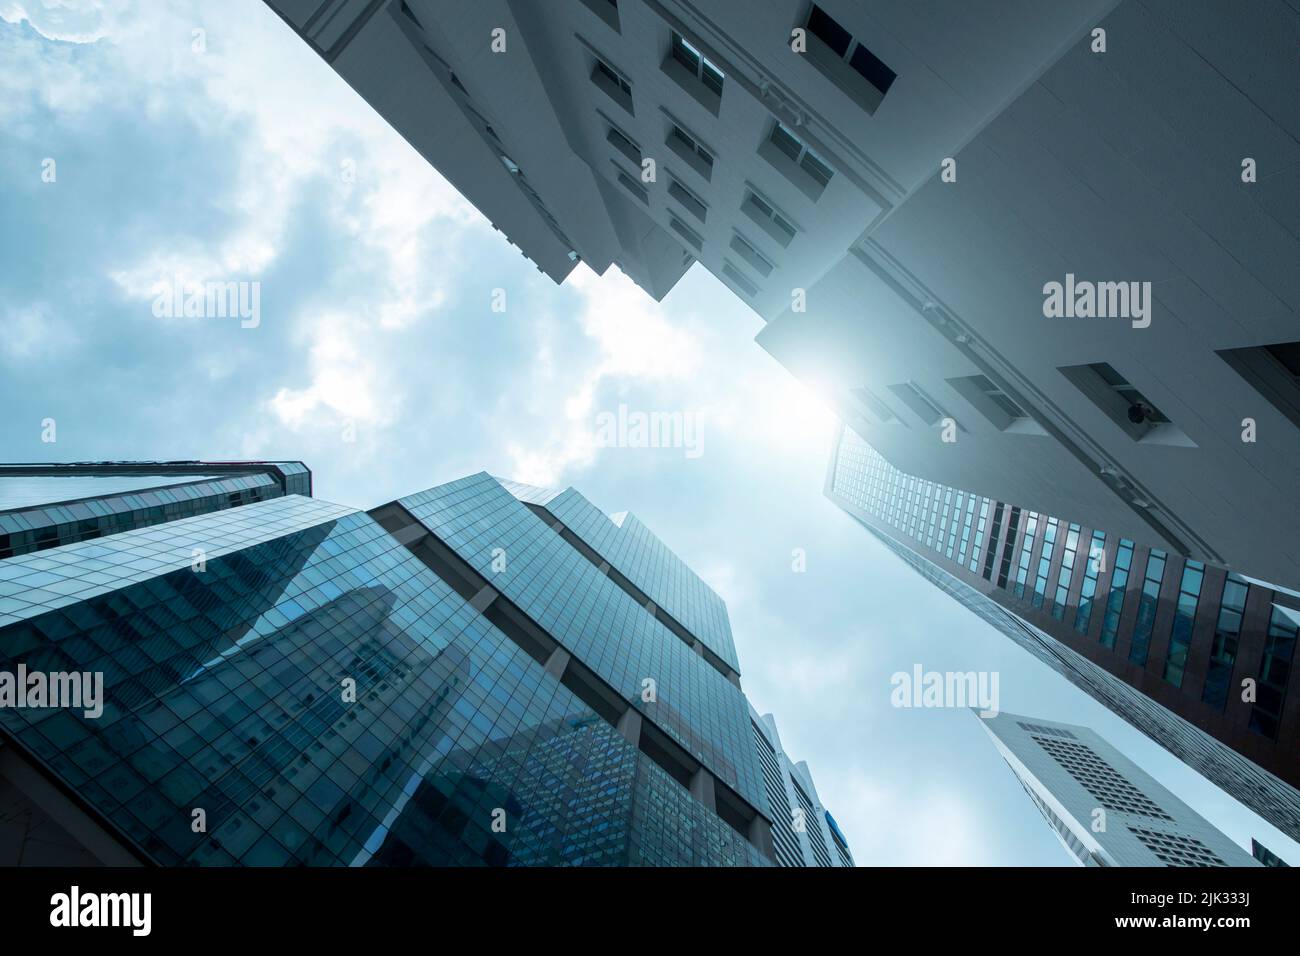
{"x":934,"y":515}
{"x":688,"y":65}
{"x":1274,"y":370}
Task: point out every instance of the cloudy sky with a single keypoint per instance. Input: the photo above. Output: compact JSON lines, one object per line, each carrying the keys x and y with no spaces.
{"x":226,"y":159}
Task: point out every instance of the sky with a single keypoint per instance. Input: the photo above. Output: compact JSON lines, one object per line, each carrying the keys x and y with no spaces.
{"x":236,"y":154}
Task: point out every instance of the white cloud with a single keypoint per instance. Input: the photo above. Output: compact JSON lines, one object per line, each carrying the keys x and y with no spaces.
{"x":344,"y":381}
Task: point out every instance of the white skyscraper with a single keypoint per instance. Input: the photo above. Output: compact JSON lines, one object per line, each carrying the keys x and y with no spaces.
{"x":1105,"y":809}
{"x":803,"y":831}
{"x":895,"y":188}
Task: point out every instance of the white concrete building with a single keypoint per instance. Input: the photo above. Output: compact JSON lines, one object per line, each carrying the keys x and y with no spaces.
{"x":1105,"y":810}
{"x":798,"y":151}
{"x":803,"y":831}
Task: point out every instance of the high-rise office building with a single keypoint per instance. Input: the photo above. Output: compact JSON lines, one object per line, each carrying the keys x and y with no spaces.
{"x":894,"y":187}
{"x":1105,"y":809}
{"x":1266,"y":856}
{"x":1197,"y":658}
{"x":803,"y":831}
{"x":481,"y":673}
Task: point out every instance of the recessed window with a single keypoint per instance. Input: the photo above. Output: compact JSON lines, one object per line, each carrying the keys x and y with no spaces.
{"x":793,"y":158}
{"x":1124,"y":404}
{"x":695,"y":61}
{"x":876,"y":406}
{"x":1148,"y":604}
{"x":612,"y":75}
{"x":613,"y":83}
{"x":991,"y":401}
{"x":607,"y":10}
{"x":1227,"y":635}
{"x":738,"y":278}
{"x":692,"y":238}
{"x":746,"y":250}
{"x":764,"y":214}
{"x":1180,"y":637}
{"x":632,"y":186}
{"x":915,"y":398}
{"x":691,"y":202}
{"x":792,"y":146}
{"x":1273,"y":371}
{"x":689,"y":148}
{"x":867,"y":78}
{"x":624,"y":144}
{"x":1275,"y":670}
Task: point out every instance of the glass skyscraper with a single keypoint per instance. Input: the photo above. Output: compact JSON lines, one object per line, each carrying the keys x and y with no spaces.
{"x":484,"y":673}
{"x":1196,"y":657}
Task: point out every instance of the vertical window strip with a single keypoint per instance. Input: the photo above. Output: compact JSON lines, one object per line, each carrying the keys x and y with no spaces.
{"x":1045,"y":562}
{"x":1022,"y":572}
{"x":1096,"y":553}
{"x":1274,"y":671}
{"x":1148,"y":604}
{"x":966,"y":530}
{"x":1118,"y":591}
{"x":1066,"y":576}
{"x":1223,"y":649}
{"x":1180,"y":634}
{"x":979,"y":535}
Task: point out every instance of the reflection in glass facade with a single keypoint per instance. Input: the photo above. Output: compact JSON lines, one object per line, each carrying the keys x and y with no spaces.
{"x":44,"y":506}
{"x":290,"y":682}
{"x":1121,"y":622}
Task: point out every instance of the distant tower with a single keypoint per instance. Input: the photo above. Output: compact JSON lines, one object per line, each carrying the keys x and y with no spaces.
{"x":1105,"y":809}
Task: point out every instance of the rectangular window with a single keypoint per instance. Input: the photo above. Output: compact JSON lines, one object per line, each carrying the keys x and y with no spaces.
{"x":952,"y":529}
{"x":689,"y":148}
{"x":694,"y":73}
{"x":846,"y":61}
{"x":796,"y":161}
{"x":624,"y":144}
{"x":613,"y":84}
{"x":1096,"y":554}
{"x":746,"y":250}
{"x":994,"y":532}
{"x":1045,"y":562}
{"x":765,"y":216}
{"x":607,"y":10}
{"x":1026,"y":550}
{"x":1118,"y":591}
{"x":632,"y":186}
{"x":1275,"y":670}
{"x":966,"y":530}
{"x":695,"y":61}
{"x":692,"y":238}
{"x":1180,"y":636}
{"x":1227,"y":633}
{"x":1148,"y":604}
{"x":1065,"y":577}
{"x":1002,"y":411}
{"x":689,"y":201}
{"x":794,"y":147}
{"x":1273,"y":371}
{"x":1013,"y":526}
{"x":738,"y":277}
{"x":979,"y":535}
{"x":877,"y":407}
{"x":920,"y":402}
{"x":1120,"y":401}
